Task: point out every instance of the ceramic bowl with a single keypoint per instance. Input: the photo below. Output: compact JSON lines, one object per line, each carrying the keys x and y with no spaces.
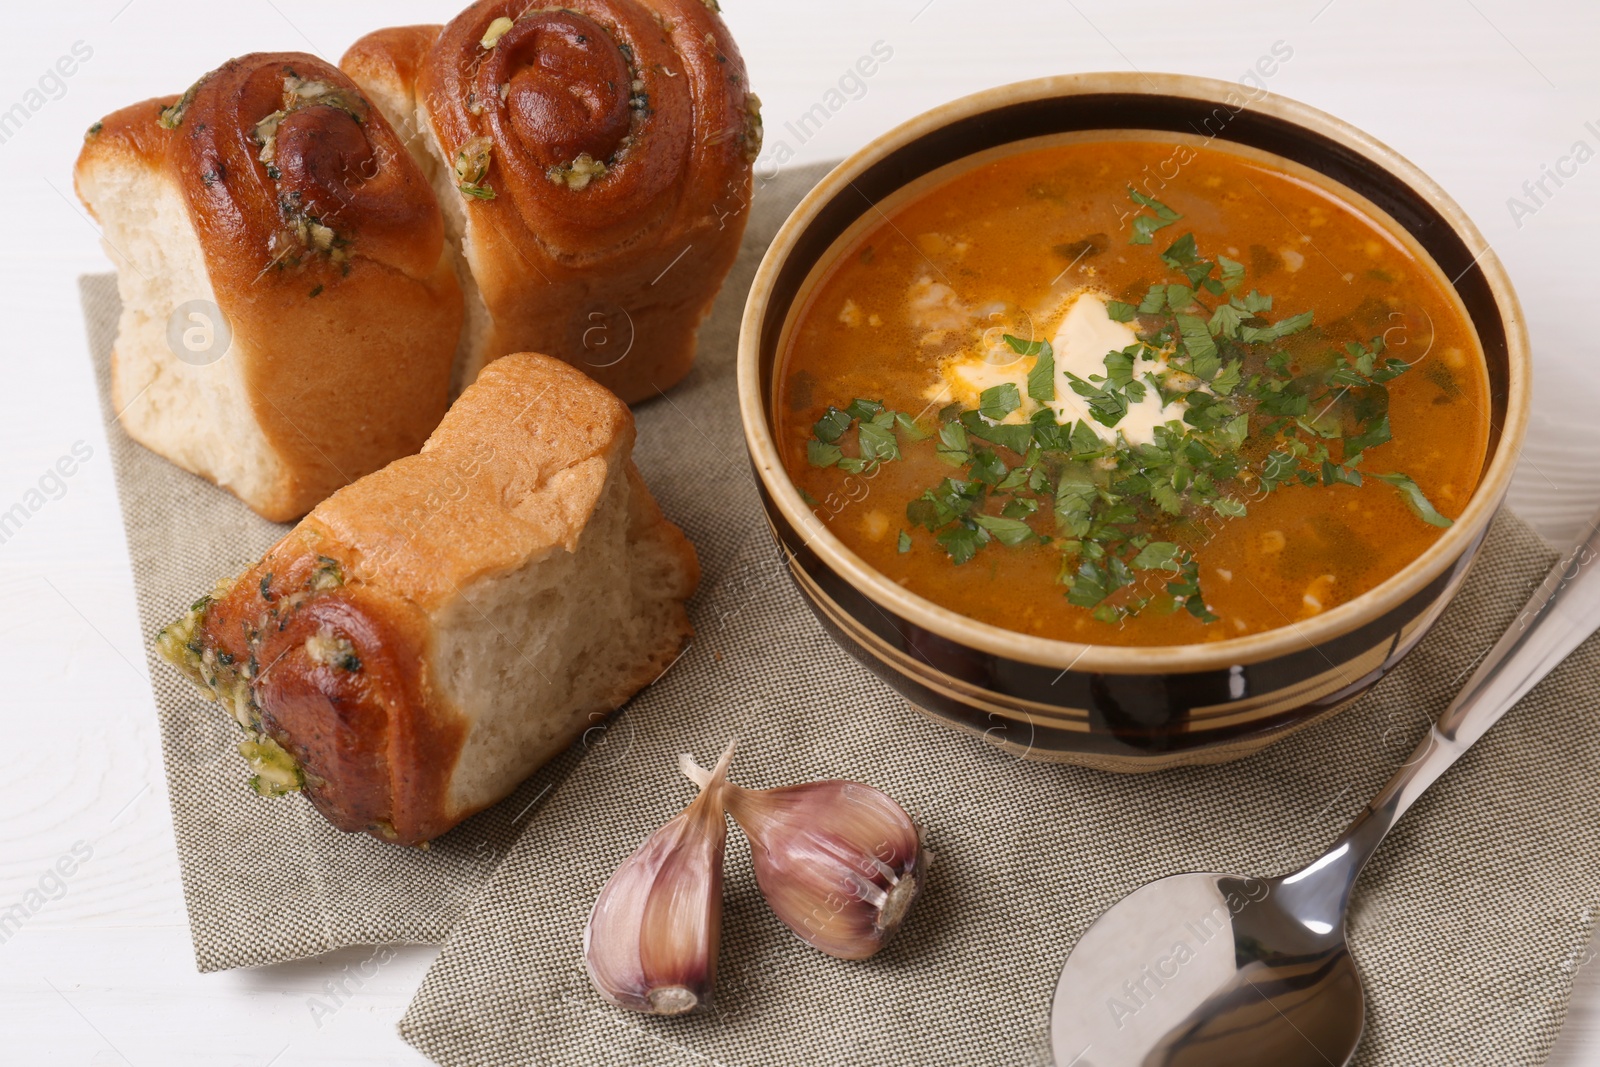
{"x":1122,"y":708}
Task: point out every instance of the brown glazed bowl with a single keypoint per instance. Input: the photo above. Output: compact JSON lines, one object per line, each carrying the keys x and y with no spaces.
{"x":1121,"y":708}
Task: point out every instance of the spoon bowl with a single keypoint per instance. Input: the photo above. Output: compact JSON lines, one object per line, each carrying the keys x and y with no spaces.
{"x":1201,"y":969}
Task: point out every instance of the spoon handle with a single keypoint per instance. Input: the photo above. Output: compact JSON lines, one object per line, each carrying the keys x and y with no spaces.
{"x":1560,"y":616}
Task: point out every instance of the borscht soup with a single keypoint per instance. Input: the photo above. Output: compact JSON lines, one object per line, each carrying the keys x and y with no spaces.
{"x":1132,"y":389}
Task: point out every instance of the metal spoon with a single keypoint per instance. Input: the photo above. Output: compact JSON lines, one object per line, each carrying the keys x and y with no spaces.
{"x":1220,"y":970}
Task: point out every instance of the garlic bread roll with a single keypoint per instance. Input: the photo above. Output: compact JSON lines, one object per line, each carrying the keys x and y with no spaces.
{"x":289,"y":315}
{"x":593,"y":162}
{"x":433,"y":633}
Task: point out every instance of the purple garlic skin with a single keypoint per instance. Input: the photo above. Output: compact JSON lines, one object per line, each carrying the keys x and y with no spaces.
{"x":840,"y":863}
{"x":653,"y":936}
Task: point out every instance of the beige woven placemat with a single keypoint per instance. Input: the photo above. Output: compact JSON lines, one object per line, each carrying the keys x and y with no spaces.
{"x":1468,"y":925}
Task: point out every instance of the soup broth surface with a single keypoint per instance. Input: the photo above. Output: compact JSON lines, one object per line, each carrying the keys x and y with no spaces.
{"x":1213,"y":497}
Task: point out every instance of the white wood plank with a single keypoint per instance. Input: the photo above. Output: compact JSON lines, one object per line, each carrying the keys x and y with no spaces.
{"x":1480,"y":94}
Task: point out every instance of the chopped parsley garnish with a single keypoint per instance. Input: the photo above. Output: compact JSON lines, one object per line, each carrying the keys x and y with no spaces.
{"x":1146,"y":225}
{"x":1256,"y":414}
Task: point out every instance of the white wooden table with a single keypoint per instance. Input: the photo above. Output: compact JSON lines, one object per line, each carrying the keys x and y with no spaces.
{"x":1483,"y":94}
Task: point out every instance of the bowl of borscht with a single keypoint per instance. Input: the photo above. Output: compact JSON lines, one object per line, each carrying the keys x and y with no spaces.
{"x":1130,"y":420}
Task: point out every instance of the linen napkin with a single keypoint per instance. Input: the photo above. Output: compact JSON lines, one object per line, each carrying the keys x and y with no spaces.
{"x":1467,"y":926}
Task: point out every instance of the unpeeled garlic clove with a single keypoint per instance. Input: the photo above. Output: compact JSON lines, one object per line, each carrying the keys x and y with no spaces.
{"x":652,"y":939}
{"x":840,"y":863}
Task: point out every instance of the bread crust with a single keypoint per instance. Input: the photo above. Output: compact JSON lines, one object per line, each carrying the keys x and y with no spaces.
{"x":335,"y":631}
{"x":612,"y":273}
{"x":327,"y":261}
{"x":386,"y":63}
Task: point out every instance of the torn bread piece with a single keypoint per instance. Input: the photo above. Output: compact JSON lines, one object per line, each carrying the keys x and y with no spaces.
{"x":436,"y":631}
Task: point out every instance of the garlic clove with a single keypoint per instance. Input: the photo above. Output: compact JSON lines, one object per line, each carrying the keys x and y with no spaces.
{"x":652,"y":939}
{"x":840,"y":863}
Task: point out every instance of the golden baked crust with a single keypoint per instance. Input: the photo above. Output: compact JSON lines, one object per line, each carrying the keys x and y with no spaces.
{"x":386,"y":64}
{"x":599,"y":159}
{"x":326,"y":257}
{"x":394,"y":54}
{"x":334,"y":633}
